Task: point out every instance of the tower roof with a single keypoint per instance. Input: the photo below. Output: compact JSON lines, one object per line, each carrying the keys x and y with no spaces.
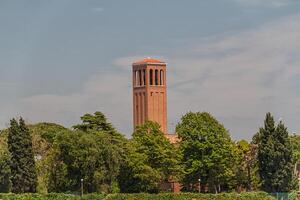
{"x":148,"y":61}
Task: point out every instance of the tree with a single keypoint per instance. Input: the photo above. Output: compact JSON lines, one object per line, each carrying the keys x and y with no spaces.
{"x":22,"y":165}
{"x":77,"y":155}
{"x":113,"y":151}
{"x":96,"y":122}
{"x":93,"y":151}
{"x":5,"y":183}
{"x":207,"y":150}
{"x":274,"y":157}
{"x":241,"y":178}
{"x":150,"y":160}
{"x":295,"y":142}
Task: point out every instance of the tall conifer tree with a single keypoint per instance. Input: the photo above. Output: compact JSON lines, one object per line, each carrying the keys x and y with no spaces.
{"x":274,"y":157}
{"x":23,"y":171}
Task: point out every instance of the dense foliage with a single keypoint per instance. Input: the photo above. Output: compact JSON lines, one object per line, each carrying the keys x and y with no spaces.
{"x":275,"y":157}
{"x":5,"y":183}
{"x":208,"y":152}
{"x":150,"y":160}
{"x":109,"y":163}
{"x":92,"y":152}
{"x":22,"y":165}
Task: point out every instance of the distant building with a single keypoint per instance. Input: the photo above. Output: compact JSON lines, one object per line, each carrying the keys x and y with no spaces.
{"x":150,"y":94}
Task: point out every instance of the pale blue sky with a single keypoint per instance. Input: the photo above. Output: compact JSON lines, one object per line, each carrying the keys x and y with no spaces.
{"x":234,"y":58}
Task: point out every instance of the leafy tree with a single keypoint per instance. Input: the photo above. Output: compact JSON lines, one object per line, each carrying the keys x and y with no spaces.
{"x":295,"y":142}
{"x":76,"y":155}
{"x":93,"y":151}
{"x":113,"y":150}
{"x":150,"y":160}
{"x":274,"y":157}
{"x":5,"y":183}
{"x":96,"y":122}
{"x":43,"y":136}
{"x":22,"y":165}
{"x":241,"y":169}
{"x":207,"y":150}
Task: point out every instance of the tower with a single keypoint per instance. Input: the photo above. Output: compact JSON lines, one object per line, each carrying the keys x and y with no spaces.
{"x":150,"y":92}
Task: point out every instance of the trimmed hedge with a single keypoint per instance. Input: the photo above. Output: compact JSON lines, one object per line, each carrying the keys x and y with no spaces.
{"x":50,"y":196}
{"x":140,"y":196}
{"x":191,"y":196}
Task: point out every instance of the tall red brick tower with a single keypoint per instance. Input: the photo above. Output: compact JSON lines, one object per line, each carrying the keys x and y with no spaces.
{"x":150,"y":92}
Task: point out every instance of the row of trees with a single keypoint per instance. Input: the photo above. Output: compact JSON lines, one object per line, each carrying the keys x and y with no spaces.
{"x":50,"y":158}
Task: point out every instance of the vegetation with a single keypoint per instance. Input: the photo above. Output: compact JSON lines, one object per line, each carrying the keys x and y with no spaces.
{"x":208,"y":152}
{"x":47,"y":158}
{"x":5,"y":183}
{"x":150,"y":160}
{"x":22,"y":166}
{"x":275,"y":157}
{"x":93,"y":152}
{"x":161,"y":196}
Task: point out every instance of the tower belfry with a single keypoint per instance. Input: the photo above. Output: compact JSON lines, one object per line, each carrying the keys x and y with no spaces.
{"x":149,"y":92}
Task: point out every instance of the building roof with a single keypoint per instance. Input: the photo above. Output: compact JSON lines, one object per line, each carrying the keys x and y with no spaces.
{"x":148,"y":61}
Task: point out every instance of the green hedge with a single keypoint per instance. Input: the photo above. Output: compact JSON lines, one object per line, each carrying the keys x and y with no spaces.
{"x":190,"y":196}
{"x":295,"y":195}
{"x":50,"y":196}
{"x":141,"y":196}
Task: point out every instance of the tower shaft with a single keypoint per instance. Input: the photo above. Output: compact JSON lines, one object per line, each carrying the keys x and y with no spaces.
{"x":149,"y":92}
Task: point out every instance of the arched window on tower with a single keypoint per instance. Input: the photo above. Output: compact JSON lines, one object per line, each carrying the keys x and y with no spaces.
{"x":162,"y":77}
{"x":151,"y":77}
{"x":156,"y":77}
{"x":140,"y":77}
{"x":136,"y":78}
{"x":144,"y":77}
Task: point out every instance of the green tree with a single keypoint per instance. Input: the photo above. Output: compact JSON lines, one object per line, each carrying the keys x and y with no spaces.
{"x":93,"y":151}
{"x":77,"y":155}
{"x":96,"y":122}
{"x":5,"y":183}
{"x":22,"y":165}
{"x":241,"y":169}
{"x":150,"y":160}
{"x":274,"y":157}
{"x":207,"y":150}
{"x":113,"y":150}
{"x":295,"y":142}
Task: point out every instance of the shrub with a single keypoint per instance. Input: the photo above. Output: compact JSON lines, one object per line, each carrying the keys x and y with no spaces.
{"x":140,"y":196}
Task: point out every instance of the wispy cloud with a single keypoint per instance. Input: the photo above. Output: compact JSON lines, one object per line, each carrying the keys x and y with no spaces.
{"x":97,"y":9}
{"x":238,"y":77}
{"x":246,"y":74}
{"x":273,"y":3}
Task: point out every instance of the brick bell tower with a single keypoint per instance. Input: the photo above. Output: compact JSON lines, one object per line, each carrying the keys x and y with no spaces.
{"x":149,"y":92}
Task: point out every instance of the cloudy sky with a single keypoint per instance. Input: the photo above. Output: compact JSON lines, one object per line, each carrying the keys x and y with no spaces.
{"x":236,"y":59}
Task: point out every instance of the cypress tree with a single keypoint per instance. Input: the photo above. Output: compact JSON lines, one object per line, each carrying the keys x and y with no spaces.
{"x":23,"y":171}
{"x":274,"y":157}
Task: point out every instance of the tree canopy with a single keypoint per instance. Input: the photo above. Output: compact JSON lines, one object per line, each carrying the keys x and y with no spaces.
{"x":274,"y":157}
{"x":22,"y":164}
{"x":207,"y":152}
{"x":150,"y":160}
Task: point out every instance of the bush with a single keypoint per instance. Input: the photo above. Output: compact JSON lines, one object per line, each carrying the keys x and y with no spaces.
{"x":191,"y":196}
{"x":28,"y":196}
{"x":140,"y":196}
